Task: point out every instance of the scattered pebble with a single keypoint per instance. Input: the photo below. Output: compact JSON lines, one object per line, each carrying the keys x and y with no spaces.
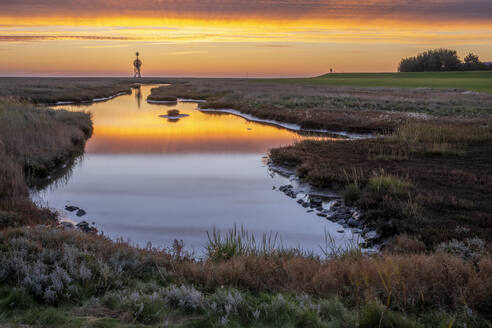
{"x":71,"y":208}
{"x":81,"y":212}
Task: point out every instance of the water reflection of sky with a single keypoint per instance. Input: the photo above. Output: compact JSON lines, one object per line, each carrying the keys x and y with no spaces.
{"x":121,"y":126}
{"x":146,"y":179}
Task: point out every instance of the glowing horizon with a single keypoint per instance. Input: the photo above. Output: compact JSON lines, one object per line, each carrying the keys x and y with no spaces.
{"x":233,"y":38}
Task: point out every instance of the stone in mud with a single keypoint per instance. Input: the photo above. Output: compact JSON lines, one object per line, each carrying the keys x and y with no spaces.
{"x":353,"y":223}
{"x":309,"y":211}
{"x":315,"y":201}
{"x":291,"y":194}
{"x":71,"y":208}
{"x":300,"y":201}
{"x":67,"y":225}
{"x":273,"y":188}
{"x":331,"y":216}
{"x":372,"y":235}
{"x":81,"y":212}
{"x":321,"y":214}
{"x":340,"y":231}
{"x":305,"y":205}
{"x":336,"y":204}
{"x":84,"y":227}
{"x":285,"y":188}
{"x":347,"y":211}
{"x":343,"y":216}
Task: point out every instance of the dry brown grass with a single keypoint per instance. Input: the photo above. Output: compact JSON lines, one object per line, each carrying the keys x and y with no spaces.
{"x":408,"y":281}
{"x":34,"y":142}
{"x":51,"y":90}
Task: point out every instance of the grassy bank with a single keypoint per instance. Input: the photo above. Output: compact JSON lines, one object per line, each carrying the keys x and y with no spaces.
{"x":54,"y":278}
{"x":34,"y":143}
{"x":473,"y":81}
{"x":331,"y":107}
{"x":426,"y":179}
{"x":52,"y":90}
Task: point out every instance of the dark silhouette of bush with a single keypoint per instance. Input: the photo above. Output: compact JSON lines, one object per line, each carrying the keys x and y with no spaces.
{"x":438,"y":60}
{"x":473,"y":63}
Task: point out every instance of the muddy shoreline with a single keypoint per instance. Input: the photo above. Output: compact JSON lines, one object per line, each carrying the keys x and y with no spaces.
{"x":328,"y":204}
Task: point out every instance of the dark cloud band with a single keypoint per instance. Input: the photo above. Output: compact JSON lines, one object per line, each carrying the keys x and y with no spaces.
{"x":443,"y":10}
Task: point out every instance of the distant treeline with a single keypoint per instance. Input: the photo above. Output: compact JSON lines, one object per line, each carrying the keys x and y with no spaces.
{"x":441,"y":60}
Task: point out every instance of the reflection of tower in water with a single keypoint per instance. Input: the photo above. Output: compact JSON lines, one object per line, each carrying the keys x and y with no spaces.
{"x":137,"y":63}
{"x":138,"y":94}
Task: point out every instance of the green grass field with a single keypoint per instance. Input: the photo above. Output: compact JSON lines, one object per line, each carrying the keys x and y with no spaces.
{"x":474,"y":81}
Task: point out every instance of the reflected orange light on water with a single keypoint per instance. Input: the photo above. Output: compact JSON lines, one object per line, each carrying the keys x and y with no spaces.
{"x":121,"y":127}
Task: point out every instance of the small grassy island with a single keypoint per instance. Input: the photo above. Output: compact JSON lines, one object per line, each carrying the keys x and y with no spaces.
{"x":423,"y":183}
{"x":173,"y":112}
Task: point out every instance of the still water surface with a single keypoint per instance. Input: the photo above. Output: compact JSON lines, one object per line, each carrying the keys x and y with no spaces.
{"x":147,"y":179}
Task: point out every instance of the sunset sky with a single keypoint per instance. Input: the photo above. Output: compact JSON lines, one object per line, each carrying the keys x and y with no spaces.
{"x":233,"y":38}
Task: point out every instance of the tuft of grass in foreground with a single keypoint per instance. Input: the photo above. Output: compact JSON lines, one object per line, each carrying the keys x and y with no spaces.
{"x":239,"y":242}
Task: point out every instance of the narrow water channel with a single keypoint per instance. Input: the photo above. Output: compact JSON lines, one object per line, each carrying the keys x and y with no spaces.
{"x":149,"y":179}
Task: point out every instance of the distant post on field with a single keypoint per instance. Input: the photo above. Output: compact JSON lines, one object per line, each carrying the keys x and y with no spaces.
{"x":137,"y":63}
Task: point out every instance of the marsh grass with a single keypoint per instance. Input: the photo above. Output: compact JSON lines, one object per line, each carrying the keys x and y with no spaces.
{"x":240,"y":242}
{"x":414,"y":139}
{"x":335,"y":108}
{"x":178,"y":90}
{"x":383,"y":183}
{"x":52,"y":90}
{"x":424,"y":179}
{"x":33,"y":142}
